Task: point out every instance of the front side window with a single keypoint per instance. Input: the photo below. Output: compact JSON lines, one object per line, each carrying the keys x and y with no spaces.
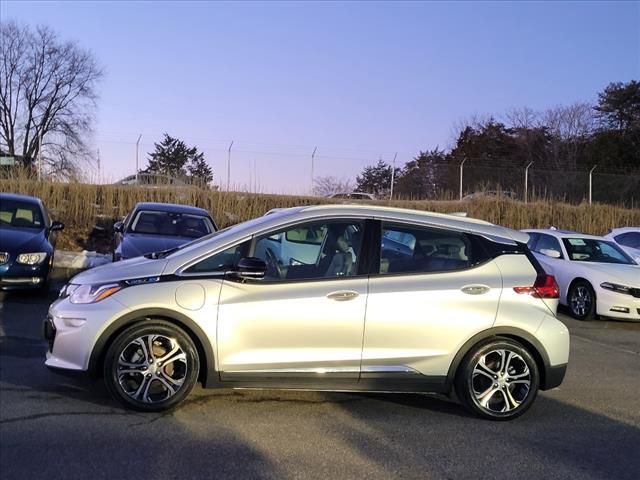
{"x":411,"y":249}
{"x":591,"y":250}
{"x":326,"y":249}
{"x":174,"y":224}
{"x":20,"y":214}
{"x":222,"y":261}
{"x":629,"y":239}
{"x":533,"y":238}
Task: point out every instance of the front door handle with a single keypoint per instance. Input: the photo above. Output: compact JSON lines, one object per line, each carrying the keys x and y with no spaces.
{"x":342,"y":295}
{"x":475,"y":289}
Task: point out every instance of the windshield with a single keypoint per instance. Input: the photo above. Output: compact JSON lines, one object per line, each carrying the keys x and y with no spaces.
{"x":172,"y":224}
{"x":19,"y":214}
{"x":249,"y":225}
{"x":591,"y":250}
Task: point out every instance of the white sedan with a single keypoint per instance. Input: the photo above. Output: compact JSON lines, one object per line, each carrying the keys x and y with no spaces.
{"x":628,"y":238}
{"x":596,"y":277}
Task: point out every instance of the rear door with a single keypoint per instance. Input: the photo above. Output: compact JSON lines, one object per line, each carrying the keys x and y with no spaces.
{"x":433,"y":289}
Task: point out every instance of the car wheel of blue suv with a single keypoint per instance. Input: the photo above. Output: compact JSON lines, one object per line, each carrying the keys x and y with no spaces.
{"x":498,"y":379}
{"x":151,"y":366}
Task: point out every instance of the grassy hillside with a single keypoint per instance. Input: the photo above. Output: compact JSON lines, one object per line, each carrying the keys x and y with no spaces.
{"x":89,"y":211}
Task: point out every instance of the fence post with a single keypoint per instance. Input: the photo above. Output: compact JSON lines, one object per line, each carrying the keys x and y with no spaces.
{"x":526,"y":182}
{"x":393,"y":175}
{"x":591,"y":182}
{"x":461,"y":169}
{"x":313,"y":157}
{"x":229,"y":166}
{"x":137,"y":168}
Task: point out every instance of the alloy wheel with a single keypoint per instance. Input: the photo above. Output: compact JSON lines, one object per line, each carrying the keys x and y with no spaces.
{"x":152,"y":368}
{"x":501,"y":381}
{"x":580,"y":301}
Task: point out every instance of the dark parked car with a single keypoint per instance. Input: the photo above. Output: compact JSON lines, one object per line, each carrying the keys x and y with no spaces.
{"x":154,"y":227}
{"x":27,"y":242}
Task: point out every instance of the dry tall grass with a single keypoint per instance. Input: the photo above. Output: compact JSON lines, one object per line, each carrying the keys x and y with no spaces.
{"x":81,"y":207}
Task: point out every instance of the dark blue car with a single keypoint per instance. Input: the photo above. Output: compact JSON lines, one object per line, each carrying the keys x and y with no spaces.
{"x":27,"y":242}
{"x":154,"y":227}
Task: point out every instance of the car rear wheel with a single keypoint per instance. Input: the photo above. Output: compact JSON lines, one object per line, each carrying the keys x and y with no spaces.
{"x":582,"y":301}
{"x":151,"y":366}
{"x":498,"y":380}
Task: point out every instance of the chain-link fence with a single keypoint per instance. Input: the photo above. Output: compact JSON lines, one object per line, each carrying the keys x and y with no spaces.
{"x":454,"y":180}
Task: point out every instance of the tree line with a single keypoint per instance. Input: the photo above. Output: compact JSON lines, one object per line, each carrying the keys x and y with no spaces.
{"x":566,"y":139}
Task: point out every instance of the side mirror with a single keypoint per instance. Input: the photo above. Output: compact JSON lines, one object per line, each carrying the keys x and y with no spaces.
{"x":548,"y":252}
{"x":251,"y":267}
{"x":118,"y":227}
{"x":56,"y":226}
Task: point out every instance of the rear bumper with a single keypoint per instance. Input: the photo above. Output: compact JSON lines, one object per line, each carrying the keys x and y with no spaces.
{"x":553,"y":376}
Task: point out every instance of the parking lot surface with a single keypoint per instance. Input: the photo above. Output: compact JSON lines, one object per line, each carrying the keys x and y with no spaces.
{"x":53,"y":427}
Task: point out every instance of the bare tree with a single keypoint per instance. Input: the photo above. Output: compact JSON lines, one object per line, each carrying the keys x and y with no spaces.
{"x":47,"y":93}
{"x":329,"y":185}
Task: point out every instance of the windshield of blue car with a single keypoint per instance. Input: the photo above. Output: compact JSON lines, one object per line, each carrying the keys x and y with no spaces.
{"x":592,"y":250}
{"x":151,"y":222}
{"x":15,"y":213}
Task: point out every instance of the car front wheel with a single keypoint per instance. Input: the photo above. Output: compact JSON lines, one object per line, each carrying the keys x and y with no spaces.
{"x":151,"y":366}
{"x":582,"y":301}
{"x":498,"y":380}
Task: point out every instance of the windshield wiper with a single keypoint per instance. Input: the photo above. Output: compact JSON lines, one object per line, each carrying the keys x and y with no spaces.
{"x":161,"y":254}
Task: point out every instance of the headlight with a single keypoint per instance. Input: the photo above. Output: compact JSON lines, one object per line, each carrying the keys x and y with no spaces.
{"x":614,"y":287}
{"x":31,"y":258}
{"x":68,"y":289}
{"x":93,"y":293}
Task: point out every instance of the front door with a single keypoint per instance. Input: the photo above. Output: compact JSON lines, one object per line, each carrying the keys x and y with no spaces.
{"x":305,"y":320}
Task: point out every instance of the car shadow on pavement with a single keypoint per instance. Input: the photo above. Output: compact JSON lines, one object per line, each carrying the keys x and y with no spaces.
{"x":552,"y":440}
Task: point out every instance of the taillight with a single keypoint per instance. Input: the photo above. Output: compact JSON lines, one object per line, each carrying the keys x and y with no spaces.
{"x":545,"y":286}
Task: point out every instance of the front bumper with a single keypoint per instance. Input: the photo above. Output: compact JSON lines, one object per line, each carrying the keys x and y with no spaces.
{"x":620,"y":306}
{"x":16,"y":276}
{"x":73,"y":330}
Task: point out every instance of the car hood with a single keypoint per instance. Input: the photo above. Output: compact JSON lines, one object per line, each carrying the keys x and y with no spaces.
{"x":22,"y":240}
{"x":622,"y":274}
{"x":140,"y":267}
{"x":137,"y":244}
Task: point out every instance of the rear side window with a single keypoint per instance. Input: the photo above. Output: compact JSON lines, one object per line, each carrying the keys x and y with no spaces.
{"x":547,"y":242}
{"x":412,"y":249}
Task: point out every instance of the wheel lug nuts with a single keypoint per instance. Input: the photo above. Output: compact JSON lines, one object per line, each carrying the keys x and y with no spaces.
{"x":495,"y":385}
{"x":495,"y":376}
{"x":148,"y":375}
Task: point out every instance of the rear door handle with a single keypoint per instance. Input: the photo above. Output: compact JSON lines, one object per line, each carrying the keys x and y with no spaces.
{"x":342,"y":295}
{"x":475,"y":289}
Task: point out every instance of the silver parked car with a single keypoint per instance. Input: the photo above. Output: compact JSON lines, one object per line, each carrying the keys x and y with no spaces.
{"x":349,"y":298}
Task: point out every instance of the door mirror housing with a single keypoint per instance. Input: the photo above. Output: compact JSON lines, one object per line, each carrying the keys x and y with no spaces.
{"x":56,"y":226}
{"x":251,"y":267}
{"x":548,"y":252}
{"x":118,"y":227}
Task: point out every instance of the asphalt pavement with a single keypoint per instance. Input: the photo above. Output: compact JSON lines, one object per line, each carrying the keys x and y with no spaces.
{"x":53,"y":426}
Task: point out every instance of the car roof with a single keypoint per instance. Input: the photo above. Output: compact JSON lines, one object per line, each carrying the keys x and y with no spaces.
{"x":171,"y":208}
{"x":20,"y":198}
{"x":619,"y":230}
{"x":444,"y":220}
{"x":563,"y":233}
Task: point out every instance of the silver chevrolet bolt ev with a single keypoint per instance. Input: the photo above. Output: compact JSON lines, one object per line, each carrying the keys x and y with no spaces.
{"x":345,"y":298}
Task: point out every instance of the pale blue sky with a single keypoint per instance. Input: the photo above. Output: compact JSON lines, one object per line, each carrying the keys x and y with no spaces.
{"x":359,"y":80}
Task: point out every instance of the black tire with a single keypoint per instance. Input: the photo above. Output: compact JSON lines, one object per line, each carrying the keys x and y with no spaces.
{"x":145,"y":384}
{"x":581,"y":300}
{"x":490,"y":392}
